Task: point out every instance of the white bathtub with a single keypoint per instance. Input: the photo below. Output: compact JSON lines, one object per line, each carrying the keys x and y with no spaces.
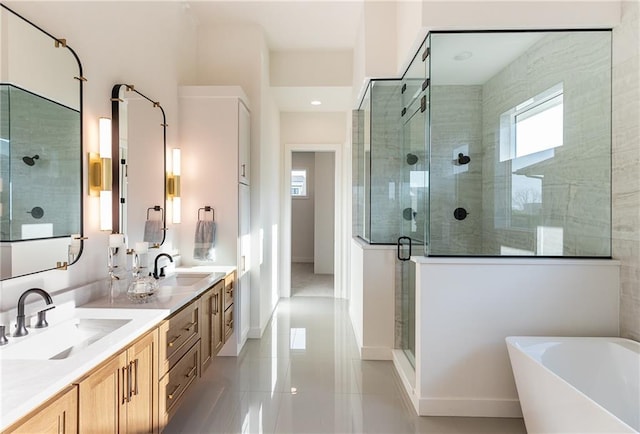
{"x":577,"y":385}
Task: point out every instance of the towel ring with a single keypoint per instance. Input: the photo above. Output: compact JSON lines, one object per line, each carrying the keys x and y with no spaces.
{"x":206,"y":209}
{"x":156,"y":208}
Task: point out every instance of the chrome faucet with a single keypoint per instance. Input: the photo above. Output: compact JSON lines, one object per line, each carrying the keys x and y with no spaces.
{"x":21,"y":329}
{"x":155,"y":265}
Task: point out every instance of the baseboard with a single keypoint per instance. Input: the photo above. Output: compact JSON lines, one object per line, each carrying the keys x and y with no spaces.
{"x":375,"y":353}
{"x":465,"y":407}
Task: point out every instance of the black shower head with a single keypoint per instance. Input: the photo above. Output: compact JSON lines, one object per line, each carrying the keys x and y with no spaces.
{"x":30,"y":161}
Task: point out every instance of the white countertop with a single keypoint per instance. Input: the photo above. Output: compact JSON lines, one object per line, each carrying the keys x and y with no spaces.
{"x":27,"y":384}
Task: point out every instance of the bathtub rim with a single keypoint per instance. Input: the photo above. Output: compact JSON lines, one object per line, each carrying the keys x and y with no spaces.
{"x":512,"y":344}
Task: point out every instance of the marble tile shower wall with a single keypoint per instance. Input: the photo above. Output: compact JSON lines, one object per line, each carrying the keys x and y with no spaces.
{"x":575,"y":188}
{"x":52,"y":179}
{"x":357,"y":169}
{"x":456,"y":125}
{"x":626,"y":165}
{"x":386,"y":162}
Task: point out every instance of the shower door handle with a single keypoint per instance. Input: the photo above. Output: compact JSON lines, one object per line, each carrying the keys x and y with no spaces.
{"x":400,"y":257}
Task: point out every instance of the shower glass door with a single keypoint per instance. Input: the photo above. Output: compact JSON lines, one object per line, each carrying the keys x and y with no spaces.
{"x":414,"y":192}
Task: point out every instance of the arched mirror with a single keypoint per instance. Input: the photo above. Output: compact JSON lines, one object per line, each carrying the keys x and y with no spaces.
{"x":40,"y":149}
{"x":139,"y":184}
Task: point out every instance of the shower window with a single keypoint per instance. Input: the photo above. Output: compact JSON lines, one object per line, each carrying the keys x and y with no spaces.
{"x":534,"y":125}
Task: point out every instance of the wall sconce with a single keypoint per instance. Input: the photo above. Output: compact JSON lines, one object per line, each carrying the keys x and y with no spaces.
{"x":100,"y":174}
{"x":173,"y":186}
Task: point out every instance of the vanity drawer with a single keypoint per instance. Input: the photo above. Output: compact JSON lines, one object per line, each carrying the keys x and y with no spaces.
{"x":229,"y":289}
{"x":177,"y":335}
{"x":174,"y":384}
{"x":228,"y":322}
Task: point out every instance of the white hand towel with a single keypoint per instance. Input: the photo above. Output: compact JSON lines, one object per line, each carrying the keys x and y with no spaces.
{"x":205,"y":241}
{"x":153,"y":231}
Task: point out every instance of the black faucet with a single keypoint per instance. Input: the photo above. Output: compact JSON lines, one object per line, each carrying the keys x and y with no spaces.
{"x":21,"y":329}
{"x":155,"y":265}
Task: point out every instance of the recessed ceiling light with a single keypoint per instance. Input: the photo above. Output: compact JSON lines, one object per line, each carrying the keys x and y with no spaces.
{"x":463,"y":55}
{"x":316,"y":102}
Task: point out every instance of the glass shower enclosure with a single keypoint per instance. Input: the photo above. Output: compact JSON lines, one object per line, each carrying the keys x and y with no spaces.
{"x":492,"y":144}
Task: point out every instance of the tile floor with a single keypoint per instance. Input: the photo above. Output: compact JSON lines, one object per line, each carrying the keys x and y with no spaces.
{"x":305,"y":283}
{"x":305,"y":376}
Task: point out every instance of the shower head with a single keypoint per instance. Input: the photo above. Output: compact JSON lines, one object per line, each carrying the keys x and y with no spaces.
{"x":30,"y":161}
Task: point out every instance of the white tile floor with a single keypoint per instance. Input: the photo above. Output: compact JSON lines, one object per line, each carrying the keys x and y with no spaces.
{"x":305,"y":376}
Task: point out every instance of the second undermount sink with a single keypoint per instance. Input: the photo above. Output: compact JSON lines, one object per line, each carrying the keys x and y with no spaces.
{"x":62,"y":341}
{"x":183,"y":279}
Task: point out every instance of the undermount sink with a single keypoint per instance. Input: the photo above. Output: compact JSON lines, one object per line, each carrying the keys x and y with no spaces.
{"x":62,"y":341}
{"x":183,"y":279}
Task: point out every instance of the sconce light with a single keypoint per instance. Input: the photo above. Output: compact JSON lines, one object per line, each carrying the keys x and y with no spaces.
{"x":173,"y":186}
{"x":100,"y":174}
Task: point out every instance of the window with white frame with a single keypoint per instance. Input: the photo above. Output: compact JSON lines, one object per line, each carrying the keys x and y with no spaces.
{"x":298,"y":183}
{"x":529,"y":134}
{"x":533,"y":126}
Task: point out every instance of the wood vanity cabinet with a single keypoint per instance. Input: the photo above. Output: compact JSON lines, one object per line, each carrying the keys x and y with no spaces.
{"x":121,"y":395}
{"x":179,"y":358}
{"x":58,"y":416}
{"x":212,"y":336}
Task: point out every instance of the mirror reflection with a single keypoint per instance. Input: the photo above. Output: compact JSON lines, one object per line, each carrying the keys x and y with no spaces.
{"x":40,"y":149}
{"x":139,"y":141}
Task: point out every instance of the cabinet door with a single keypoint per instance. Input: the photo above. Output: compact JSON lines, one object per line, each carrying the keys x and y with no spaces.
{"x":244,"y":143}
{"x":206,"y":342}
{"x":142,"y":406}
{"x":59,"y":416}
{"x":103,"y":397}
{"x":211,"y":337}
{"x":217,"y":332}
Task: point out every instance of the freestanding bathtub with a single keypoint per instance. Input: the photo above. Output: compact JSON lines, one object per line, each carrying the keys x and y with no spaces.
{"x":577,"y":385}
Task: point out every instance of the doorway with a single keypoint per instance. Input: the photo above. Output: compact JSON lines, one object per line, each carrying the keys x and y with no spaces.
{"x":311,"y":247}
{"x":312,"y":223}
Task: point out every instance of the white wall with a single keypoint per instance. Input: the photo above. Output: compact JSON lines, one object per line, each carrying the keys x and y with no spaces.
{"x":155,"y":60}
{"x":372,"y":301}
{"x":238,"y":55}
{"x":467,"y":306}
{"x":324,"y":210}
{"x":303,"y":211}
{"x":317,"y":68}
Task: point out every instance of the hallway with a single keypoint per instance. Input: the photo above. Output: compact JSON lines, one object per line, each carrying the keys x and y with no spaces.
{"x":305,"y":376}
{"x":304,"y":282}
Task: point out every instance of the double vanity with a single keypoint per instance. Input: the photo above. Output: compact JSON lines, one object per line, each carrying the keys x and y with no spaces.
{"x":112,"y":365}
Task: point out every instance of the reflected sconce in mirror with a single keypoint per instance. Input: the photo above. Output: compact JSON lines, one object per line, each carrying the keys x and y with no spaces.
{"x":100,"y":174}
{"x":173,"y":186}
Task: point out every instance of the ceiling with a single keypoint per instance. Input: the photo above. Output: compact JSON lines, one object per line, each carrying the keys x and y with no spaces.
{"x":294,"y":25}
{"x":290,"y":25}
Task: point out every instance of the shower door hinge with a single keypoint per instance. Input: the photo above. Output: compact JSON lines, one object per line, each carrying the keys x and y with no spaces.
{"x":425,"y":54}
{"x":423,"y":103}
{"x":404,"y":88}
{"x":122,"y":200}
{"x":404,"y":111}
{"x":425,"y":84}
